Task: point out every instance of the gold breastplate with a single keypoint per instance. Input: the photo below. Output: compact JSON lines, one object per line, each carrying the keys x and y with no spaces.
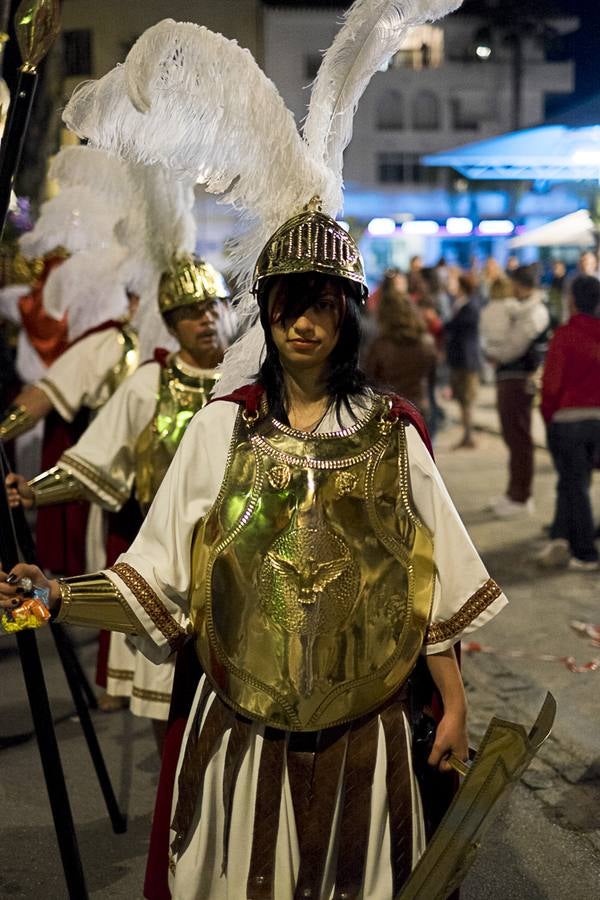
{"x":312,"y":575}
{"x":181,"y":394}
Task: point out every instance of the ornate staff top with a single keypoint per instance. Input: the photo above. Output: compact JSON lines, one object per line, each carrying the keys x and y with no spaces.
{"x":37,"y":24}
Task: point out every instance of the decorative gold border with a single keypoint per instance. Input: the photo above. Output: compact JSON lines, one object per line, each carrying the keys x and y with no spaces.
{"x":360,"y":423}
{"x":150,"y":603}
{"x":58,"y":395}
{"x":471,"y":608}
{"x":152,"y":696}
{"x":120,"y":674}
{"x":94,"y":476}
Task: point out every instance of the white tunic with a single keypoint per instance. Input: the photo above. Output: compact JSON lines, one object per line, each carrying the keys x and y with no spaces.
{"x":79,"y":376}
{"x":104,"y":461}
{"x":161,"y":555}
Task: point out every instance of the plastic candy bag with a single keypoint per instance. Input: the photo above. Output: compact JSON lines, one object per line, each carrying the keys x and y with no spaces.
{"x":32,"y":612}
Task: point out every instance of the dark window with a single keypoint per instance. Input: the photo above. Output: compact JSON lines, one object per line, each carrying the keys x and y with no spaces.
{"x":390,"y":111}
{"x":78,"y":52}
{"x":426,"y":111}
{"x":405,"y":168}
{"x":463,"y":119}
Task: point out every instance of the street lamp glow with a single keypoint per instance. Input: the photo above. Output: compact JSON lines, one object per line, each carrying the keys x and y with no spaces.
{"x":422,"y":226}
{"x":381,"y":227}
{"x":483,"y":51}
{"x":459,"y":225}
{"x":497,"y":227}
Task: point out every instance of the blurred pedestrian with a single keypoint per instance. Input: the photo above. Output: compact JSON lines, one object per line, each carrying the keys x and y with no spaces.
{"x":555,"y":292}
{"x":491,"y":272}
{"x":463,"y":354}
{"x":517,"y":361}
{"x":402,"y":357}
{"x":496,"y":316}
{"x":437,"y":293}
{"x":571,"y":410}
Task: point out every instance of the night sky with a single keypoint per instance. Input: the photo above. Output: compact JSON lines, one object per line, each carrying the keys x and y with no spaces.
{"x":585,"y":45}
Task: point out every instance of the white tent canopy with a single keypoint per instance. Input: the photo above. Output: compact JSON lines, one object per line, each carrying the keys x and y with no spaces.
{"x":573,"y":230}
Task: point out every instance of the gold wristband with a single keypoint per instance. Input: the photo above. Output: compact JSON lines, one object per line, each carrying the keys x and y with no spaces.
{"x":56,"y":486}
{"x":93,"y":600}
{"x":16,"y":422}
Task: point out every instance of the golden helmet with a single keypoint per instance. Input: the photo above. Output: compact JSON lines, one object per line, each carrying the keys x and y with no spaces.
{"x":190,"y":280}
{"x":311,"y":242}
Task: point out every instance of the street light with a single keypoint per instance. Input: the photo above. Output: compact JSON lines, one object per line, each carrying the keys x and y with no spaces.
{"x":482,"y":40}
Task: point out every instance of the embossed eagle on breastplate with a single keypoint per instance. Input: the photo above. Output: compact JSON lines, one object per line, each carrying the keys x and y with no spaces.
{"x":300,"y":584}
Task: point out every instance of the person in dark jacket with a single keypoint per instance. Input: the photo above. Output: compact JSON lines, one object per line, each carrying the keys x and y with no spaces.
{"x":463,"y":354}
{"x":402,"y":356}
{"x":571,"y":410}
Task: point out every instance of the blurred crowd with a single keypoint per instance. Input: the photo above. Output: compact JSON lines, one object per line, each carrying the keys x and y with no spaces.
{"x":434,"y":333}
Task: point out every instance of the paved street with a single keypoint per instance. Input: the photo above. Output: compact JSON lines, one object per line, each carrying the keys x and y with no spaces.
{"x":547,"y":843}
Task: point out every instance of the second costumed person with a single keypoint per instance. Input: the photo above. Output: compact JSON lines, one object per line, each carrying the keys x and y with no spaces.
{"x":122,"y":457}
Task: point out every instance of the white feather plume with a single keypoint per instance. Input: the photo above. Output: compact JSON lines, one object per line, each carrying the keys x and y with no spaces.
{"x":371,"y":33}
{"x":76,"y":219}
{"x":86,"y":289}
{"x":160,"y":226}
{"x":203,"y":107}
{"x":93,"y":170}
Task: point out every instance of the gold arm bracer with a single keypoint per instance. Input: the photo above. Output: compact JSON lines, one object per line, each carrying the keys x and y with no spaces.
{"x":57,"y":486}
{"x":94,"y":601}
{"x":16,"y":422}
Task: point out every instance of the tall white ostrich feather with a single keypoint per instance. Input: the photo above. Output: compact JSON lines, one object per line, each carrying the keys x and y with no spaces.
{"x":196,"y":102}
{"x":87,"y":290}
{"x":77,"y":219}
{"x":94,"y":170}
{"x":372,"y":31}
{"x":160,"y":226}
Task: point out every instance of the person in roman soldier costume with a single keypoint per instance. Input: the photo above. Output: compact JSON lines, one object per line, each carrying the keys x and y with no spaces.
{"x":302,"y":527}
{"x":80,"y":290}
{"x":129,"y":445}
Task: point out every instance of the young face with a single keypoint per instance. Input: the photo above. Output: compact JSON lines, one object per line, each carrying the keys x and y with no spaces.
{"x":197,"y":327}
{"x":305,"y":337}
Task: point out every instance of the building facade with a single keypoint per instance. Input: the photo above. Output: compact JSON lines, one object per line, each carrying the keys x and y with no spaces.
{"x":444,"y":88}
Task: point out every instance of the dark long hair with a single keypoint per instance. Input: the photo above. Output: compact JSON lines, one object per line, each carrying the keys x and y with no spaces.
{"x":344,"y":377}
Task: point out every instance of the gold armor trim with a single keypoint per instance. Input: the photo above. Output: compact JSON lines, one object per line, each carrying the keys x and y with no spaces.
{"x":503,"y":756}
{"x":310,"y":604}
{"x":473,"y":607}
{"x":190,"y":280}
{"x":182,"y":392}
{"x":311,"y":242}
{"x":126,"y":365}
{"x":94,"y":601}
{"x":26,"y":270}
{"x":16,"y":422}
{"x":57,"y":486}
{"x":99,"y":483}
{"x":150,"y":603}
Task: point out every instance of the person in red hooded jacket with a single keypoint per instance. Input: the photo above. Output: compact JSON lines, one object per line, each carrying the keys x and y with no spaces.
{"x":571,"y":410}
